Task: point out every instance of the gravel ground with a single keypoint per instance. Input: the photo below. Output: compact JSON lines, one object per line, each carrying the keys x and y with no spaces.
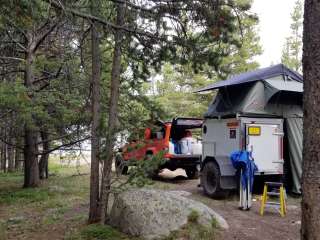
{"x":246,"y":225}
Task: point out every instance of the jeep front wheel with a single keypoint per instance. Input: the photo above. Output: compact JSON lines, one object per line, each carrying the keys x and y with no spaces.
{"x":192,"y":173}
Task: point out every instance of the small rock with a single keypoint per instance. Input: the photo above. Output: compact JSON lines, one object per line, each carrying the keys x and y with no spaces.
{"x":16,"y":220}
{"x":298,"y":222}
{"x":57,"y":189}
{"x":292,"y":207}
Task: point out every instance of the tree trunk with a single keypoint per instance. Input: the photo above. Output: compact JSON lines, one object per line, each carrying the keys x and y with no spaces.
{"x":31,"y":168}
{"x":10,"y":149}
{"x":4,"y":151}
{"x":94,"y":211}
{"x":18,"y":159}
{"x":43,"y":163}
{"x":311,"y":131}
{"x":113,"y":112}
{"x":3,"y":157}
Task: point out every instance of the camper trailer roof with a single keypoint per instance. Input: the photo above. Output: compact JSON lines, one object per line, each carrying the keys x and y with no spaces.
{"x":256,"y":75}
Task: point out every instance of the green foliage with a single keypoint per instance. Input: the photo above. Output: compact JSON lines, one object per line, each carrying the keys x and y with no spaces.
{"x":292,"y":50}
{"x":23,"y":196}
{"x":193,"y":216}
{"x":23,"y":13}
{"x":174,"y":92}
{"x":214,"y":223}
{"x":101,"y":232}
{"x":193,"y":231}
{"x":173,"y":88}
{"x":140,"y":172}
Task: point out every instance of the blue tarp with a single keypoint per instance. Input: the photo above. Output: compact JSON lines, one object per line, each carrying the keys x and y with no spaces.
{"x":256,"y":75}
{"x":242,"y":160}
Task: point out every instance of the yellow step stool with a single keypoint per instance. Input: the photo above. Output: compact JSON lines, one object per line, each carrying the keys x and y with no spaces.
{"x":277,"y":189}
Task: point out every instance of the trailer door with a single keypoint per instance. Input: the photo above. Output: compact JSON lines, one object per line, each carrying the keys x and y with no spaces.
{"x":265,"y":143}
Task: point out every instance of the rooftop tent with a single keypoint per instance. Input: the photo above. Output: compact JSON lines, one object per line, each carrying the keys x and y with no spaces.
{"x":274,"y":91}
{"x":256,"y":75}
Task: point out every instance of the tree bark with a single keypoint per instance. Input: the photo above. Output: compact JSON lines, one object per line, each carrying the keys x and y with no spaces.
{"x":17,"y":159}
{"x":94,"y":211}
{"x":31,"y":168}
{"x":10,"y":149}
{"x":3,"y":157}
{"x":311,"y":131}
{"x":113,"y":111}
{"x":3,"y":152}
{"x":44,"y":159}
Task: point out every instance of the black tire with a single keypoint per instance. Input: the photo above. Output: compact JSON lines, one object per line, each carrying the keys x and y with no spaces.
{"x":121,"y":166}
{"x":192,"y":173}
{"x":210,"y":181}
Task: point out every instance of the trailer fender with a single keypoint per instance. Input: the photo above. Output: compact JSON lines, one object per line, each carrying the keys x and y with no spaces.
{"x":224,"y":164}
{"x":227,"y":172}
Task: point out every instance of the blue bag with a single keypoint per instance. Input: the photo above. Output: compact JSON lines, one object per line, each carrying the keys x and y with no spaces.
{"x":242,"y":160}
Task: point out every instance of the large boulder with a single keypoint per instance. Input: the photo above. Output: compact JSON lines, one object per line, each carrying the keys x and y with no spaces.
{"x":153,"y":214}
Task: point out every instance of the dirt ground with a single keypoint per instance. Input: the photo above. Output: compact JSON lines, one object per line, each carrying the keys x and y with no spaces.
{"x":58,"y":210}
{"x":246,"y":225}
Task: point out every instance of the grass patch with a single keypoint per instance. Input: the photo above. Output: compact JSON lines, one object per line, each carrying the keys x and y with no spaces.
{"x":55,"y":215}
{"x":3,"y":235}
{"x":214,"y":223}
{"x":101,"y":232}
{"x":59,"y":201}
{"x":193,"y":231}
{"x":11,"y":176}
{"x":193,"y":216}
{"x":22,"y":196}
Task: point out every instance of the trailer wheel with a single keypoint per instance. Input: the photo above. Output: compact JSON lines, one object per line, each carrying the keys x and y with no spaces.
{"x":121,"y":166}
{"x":210,"y":181}
{"x":192,"y":173}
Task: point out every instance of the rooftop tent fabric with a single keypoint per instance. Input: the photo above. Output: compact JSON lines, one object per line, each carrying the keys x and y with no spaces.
{"x":256,"y":75}
{"x":294,"y":132}
{"x":276,"y":96}
{"x":231,"y":100}
{"x":287,"y":85}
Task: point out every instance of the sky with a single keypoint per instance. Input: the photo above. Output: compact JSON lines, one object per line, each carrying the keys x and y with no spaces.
{"x":274,"y":27}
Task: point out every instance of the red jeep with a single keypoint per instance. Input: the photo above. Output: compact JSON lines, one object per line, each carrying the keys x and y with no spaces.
{"x":182,"y":150}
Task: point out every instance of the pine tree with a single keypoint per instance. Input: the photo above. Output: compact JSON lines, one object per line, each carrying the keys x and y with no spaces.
{"x":292,"y":50}
{"x":311,"y":132}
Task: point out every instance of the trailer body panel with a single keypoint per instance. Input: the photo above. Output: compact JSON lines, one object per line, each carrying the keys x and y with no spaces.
{"x":263,"y":136}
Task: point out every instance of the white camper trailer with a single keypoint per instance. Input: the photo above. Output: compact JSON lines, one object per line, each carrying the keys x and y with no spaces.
{"x":254,"y":111}
{"x":263,"y":137}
